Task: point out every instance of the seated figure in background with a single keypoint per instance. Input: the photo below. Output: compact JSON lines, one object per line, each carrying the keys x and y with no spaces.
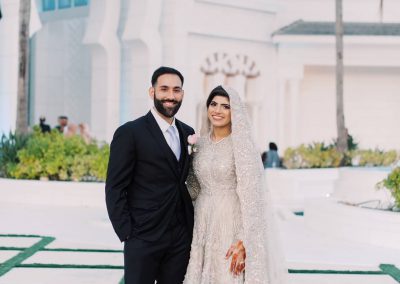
{"x":273,"y":160}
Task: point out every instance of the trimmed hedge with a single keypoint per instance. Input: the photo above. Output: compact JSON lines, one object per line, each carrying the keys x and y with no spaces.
{"x":9,"y":147}
{"x":55,"y":157}
{"x":319,"y":155}
{"x":316,"y":155}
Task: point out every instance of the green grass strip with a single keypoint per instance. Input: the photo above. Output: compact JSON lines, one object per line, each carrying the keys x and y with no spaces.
{"x":12,"y":248}
{"x":73,"y":266}
{"x":314,"y":271}
{"x":299,"y":213}
{"x":391,"y":270}
{"x":66,"y":249}
{"x":21,"y":236}
{"x":82,"y":250}
{"x":20,"y":257}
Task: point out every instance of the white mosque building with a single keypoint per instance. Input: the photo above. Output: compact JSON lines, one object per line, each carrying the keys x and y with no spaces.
{"x":92,"y":60}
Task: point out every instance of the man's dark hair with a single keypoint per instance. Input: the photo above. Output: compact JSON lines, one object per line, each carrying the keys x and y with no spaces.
{"x":165,"y":70}
{"x":273,"y":146}
{"x":217,"y":91}
{"x":63,"y":117}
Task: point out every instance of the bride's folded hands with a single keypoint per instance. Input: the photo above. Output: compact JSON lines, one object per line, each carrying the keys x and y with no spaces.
{"x":238,"y":253}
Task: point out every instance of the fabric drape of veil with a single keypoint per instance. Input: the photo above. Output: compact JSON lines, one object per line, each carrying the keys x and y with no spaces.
{"x":265,"y":262}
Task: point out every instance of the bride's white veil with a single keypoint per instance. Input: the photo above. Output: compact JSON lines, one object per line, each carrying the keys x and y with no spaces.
{"x":264,"y":261}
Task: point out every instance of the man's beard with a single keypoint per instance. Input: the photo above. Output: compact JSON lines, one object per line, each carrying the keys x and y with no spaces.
{"x":167,"y":112}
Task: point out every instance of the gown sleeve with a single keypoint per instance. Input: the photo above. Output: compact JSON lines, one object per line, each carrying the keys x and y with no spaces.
{"x":192,"y":183}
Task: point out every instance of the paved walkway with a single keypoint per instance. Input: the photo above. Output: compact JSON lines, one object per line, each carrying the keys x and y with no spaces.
{"x":41,"y":243}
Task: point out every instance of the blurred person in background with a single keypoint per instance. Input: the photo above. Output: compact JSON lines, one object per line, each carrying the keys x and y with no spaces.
{"x":62,"y":124}
{"x":272,"y":160}
{"x":84,"y":132}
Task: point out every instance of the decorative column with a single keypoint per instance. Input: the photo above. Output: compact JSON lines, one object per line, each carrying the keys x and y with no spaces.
{"x":9,"y":64}
{"x":101,"y":37}
{"x":142,"y":51}
{"x":175,"y":22}
{"x":174,"y":32}
{"x":293,"y":111}
{"x":287,"y":105}
{"x":280,"y":114}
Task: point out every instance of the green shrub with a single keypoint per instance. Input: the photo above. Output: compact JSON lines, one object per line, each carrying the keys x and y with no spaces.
{"x":55,"y":157}
{"x":319,"y":155}
{"x":9,"y":147}
{"x":373,"y":158}
{"x":392,"y":183}
{"x":316,"y":155}
{"x":93,"y":165}
{"x":99,"y":163}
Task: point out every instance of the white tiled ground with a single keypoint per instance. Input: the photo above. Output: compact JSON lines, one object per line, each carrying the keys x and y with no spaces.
{"x":305,"y":249}
{"x":339,"y":279}
{"x":62,"y":276}
{"x":88,"y":227}
{"x":79,"y":258}
{"x":17,"y":242}
{"x":7,"y":254}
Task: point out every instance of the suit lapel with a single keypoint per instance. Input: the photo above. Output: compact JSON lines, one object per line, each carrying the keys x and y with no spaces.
{"x":160,"y":139}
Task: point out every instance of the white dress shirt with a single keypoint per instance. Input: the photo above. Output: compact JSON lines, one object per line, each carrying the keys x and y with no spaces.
{"x":165,"y":125}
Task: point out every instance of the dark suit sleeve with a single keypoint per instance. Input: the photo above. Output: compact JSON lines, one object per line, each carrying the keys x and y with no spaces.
{"x":119,"y":175}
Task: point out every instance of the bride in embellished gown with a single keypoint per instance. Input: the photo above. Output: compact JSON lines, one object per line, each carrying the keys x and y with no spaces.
{"x":231,"y":225}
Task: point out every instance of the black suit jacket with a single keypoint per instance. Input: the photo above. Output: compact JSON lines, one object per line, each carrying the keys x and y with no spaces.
{"x":145,"y":182}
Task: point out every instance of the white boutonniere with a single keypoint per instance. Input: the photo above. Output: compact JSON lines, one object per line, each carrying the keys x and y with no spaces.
{"x":192,"y":147}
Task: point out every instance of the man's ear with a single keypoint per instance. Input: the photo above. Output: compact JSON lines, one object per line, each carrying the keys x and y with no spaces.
{"x":151,"y":93}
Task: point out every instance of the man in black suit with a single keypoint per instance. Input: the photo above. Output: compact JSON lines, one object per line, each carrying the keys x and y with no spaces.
{"x":147,"y":200}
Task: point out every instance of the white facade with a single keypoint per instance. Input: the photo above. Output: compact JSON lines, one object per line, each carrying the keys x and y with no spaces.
{"x":8,"y":64}
{"x":94,"y":65}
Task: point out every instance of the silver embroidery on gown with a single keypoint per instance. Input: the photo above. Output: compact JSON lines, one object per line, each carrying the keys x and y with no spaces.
{"x":218,"y":221}
{"x":226,"y":180}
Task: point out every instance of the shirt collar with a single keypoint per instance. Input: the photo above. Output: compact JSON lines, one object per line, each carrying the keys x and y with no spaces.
{"x":161,"y":122}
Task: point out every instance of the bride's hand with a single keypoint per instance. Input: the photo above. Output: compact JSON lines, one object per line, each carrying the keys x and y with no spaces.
{"x":238,"y":253}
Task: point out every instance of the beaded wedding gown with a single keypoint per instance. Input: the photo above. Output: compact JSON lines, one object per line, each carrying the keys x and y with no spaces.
{"x":218,"y":219}
{"x":226,"y":182}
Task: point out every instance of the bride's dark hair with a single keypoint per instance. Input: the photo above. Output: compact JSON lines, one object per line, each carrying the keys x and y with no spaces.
{"x":217,"y":91}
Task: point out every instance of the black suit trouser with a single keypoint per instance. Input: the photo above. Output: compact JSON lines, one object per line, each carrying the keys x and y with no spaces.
{"x":164,"y":260}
